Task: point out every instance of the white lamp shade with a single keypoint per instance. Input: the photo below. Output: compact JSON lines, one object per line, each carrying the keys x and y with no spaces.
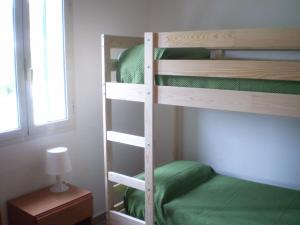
{"x":58,"y":161}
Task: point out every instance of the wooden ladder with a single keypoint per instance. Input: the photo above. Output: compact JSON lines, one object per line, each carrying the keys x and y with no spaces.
{"x":115,"y":217}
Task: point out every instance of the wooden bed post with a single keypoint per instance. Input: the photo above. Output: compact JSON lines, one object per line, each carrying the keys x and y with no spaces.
{"x":177,"y":133}
{"x":107,"y":122}
{"x":150,"y":43}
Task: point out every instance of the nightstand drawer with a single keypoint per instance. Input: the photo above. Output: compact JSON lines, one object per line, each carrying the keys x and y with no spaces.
{"x":68,"y":215}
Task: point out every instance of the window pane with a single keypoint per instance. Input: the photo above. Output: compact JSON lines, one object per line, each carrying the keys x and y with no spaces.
{"x":47,"y":60}
{"x":9,"y":118}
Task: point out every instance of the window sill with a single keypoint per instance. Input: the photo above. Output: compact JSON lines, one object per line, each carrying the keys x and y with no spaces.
{"x":21,"y":136}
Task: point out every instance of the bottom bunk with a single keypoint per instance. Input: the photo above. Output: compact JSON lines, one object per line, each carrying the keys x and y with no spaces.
{"x":189,"y":193}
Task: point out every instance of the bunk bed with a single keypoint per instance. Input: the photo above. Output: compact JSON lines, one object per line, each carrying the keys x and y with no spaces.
{"x":277,"y":102}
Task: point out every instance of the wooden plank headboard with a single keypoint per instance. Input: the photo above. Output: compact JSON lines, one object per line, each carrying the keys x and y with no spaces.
{"x":246,"y":39}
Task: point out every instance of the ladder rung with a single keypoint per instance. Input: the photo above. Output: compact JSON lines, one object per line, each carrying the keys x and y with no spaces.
{"x":126,"y":138}
{"x":126,"y":180}
{"x":117,"y":218}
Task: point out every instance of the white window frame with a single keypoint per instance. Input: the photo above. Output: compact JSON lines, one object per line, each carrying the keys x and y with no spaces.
{"x":24,"y":76}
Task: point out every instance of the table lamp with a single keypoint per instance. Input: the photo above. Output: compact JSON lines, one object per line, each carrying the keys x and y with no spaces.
{"x":58,"y":163}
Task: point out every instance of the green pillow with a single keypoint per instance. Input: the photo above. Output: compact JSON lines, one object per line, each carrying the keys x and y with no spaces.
{"x":131,"y":61}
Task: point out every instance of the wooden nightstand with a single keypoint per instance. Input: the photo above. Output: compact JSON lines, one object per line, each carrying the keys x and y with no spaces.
{"x":43,"y":207}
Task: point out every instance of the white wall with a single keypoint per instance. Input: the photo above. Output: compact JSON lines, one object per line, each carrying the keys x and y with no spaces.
{"x":217,"y":14}
{"x":255,"y":147}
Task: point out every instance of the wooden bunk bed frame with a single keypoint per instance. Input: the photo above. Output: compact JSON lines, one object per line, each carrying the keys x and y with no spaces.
{"x":149,"y":93}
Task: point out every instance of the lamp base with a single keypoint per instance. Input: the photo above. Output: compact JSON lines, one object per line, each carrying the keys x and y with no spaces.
{"x":59,"y":186}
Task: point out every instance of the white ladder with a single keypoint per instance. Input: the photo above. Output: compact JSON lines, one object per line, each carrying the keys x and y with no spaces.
{"x":114,"y":217}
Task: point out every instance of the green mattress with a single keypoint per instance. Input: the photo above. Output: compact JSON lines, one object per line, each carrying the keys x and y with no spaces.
{"x":189,"y":193}
{"x":131,"y":70}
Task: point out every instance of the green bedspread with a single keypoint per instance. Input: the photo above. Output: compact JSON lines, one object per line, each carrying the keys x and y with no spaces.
{"x":131,"y":70}
{"x":189,"y":193}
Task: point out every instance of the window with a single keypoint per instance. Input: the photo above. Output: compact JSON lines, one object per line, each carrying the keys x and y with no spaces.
{"x":32,"y":37}
{"x":47,"y":61}
{"x":9,"y":117}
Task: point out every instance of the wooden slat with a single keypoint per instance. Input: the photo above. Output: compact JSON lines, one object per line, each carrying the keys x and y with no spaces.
{"x":150,"y":42}
{"x":119,"y":188}
{"x":123,"y":211}
{"x":178,"y":134}
{"x":126,"y":180}
{"x":265,"y":39}
{"x":240,"y":101}
{"x":126,"y":138}
{"x":119,"y":206}
{"x":127,"y":92}
{"x":123,"y":41}
{"x":269,"y":70}
{"x":117,"y":218}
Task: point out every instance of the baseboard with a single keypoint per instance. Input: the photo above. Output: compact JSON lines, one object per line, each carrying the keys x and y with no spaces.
{"x":99,"y":219}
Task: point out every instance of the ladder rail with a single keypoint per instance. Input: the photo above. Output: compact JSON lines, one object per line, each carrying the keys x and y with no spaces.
{"x":148,"y":126}
{"x":107,"y":121}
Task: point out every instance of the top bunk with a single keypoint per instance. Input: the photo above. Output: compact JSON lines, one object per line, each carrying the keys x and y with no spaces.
{"x":274,"y":102}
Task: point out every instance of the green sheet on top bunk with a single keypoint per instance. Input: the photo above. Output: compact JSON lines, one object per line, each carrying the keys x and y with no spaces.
{"x":189,"y":193}
{"x":131,"y":70}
